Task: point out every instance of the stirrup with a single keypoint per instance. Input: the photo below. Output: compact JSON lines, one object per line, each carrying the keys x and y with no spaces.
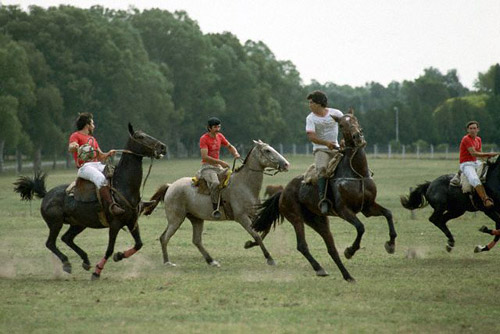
{"x":324,"y":206}
{"x":216,"y":214}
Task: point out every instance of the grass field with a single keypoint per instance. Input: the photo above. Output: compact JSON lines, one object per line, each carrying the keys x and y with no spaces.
{"x":432,"y":291}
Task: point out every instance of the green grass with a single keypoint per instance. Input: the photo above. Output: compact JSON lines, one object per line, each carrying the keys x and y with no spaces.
{"x":436,"y":291}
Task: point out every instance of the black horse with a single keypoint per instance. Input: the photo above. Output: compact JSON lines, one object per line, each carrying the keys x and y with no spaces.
{"x":351,"y":190}
{"x":58,"y":208}
{"x":450,"y":202}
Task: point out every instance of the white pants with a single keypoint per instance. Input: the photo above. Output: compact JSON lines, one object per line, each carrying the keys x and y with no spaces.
{"x":469,"y":168}
{"x":93,"y":171}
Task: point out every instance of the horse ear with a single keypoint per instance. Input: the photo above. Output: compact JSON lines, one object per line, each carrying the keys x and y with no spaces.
{"x":351,"y":111}
{"x":335,"y":118}
{"x":131,"y":129}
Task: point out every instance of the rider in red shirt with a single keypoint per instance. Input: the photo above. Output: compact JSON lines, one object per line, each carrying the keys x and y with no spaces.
{"x":91,"y":167}
{"x":470,"y":150}
{"x":210,"y":144}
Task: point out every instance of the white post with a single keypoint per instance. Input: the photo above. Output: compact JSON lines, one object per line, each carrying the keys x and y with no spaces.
{"x":418,"y":151}
{"x":389,"y":150}
{"x":281,"y":149}
{"x":375,"y":151}
{"x":432,"y":151}
{"x":294,"y":149}
{"x":403,"y":151}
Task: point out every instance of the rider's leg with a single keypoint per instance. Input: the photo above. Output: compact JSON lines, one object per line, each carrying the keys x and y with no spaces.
{"x":469,"y":170}
{"x":213,"y":183}
{"x":93,"y":171}
{"x":321,"y":160}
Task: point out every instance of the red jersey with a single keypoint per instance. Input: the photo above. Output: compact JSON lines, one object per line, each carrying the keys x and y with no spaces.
{"x":213,"y":144}
{"x":468,"y":141}
{"x":82,"y":139}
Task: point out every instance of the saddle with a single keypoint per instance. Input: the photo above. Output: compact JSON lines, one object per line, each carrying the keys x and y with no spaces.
{"x":199,"y":182}
{"x":460,"y":180}
{"x":84,"y":190}
{"x":311,"y":175}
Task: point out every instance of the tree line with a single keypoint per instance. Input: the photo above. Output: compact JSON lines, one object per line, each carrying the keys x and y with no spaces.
{"x":157,"y":70}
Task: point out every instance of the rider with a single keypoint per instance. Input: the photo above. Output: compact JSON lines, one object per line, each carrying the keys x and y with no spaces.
{"x":470,"y":150}
{"x":322,"y":131}
{"x":210,"y":144}
{"x":93,"y":168}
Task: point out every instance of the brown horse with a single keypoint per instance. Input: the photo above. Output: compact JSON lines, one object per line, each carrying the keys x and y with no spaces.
{"x":272,"y":189}
{"x":351,"y":190}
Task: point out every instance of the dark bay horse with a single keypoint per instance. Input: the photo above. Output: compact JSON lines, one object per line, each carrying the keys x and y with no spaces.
{"x":351,"y":190}
{"x":450,"y":202}
{"x":58,"y":208}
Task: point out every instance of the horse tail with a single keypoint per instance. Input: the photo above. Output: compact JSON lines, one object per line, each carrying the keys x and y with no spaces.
{"x":158,"y":197}
{"x":416,"y":199}
{"x":268,"y":213}
{"x":27,"y":187}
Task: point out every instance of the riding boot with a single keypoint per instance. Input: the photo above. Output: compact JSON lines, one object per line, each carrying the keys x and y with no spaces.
{"x":324,"y":203}
{"x":107,"y":201}
{"x":487,"y":202}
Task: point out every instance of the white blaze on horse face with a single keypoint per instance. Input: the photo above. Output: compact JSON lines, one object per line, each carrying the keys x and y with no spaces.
{"x":348,"y":118}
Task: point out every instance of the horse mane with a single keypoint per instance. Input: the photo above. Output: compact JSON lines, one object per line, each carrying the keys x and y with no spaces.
{"x":244,"y":161}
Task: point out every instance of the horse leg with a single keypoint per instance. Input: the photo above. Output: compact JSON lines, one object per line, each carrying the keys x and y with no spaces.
{"x":113,"y":232}
{"x":136,"y":234}
{"x":69,"y":238}
{"x":172,"y":227}
{"x":250,"y":243}
{"x":197,"y":240}
{"x":351,"y":218}
{"x":55,"y":228}
{"x":378,"y":210}
{"x":439,"y":219}
{"x":496,"y":232}
{"x":247,"y":225}
{"x":303,"y":248}
{"x":322,"y":227}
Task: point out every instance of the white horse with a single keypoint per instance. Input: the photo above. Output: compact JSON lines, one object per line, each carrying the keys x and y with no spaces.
{"x":239,"y":200}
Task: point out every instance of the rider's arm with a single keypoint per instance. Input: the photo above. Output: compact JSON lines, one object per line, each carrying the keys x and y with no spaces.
{"x":101,"y":156}
{"x":233,"y":151}
{"x":480,"y":154}
{"x":73,"y":147}
{"x":210,"y":160}
{"x":314,"y":138}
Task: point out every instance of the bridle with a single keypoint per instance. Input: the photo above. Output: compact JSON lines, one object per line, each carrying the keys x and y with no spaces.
{"x":270,"y":171}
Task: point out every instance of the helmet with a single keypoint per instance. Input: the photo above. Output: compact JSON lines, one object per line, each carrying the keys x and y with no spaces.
{"x":213,"y":121}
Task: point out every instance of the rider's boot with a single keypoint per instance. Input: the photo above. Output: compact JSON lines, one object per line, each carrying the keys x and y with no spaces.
{"x":487,"y":202}
{"x":324,"y":204}
{"x":215,"y":196}
{"x":107,"y":201}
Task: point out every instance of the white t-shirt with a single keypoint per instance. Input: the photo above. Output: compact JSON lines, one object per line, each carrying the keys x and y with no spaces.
{"x":325,"y":127}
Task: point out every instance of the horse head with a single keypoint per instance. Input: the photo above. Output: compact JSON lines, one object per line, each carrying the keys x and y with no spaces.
{"x":143,"y":144}
{"x":268,"y":157}
{"x":351,"y":131}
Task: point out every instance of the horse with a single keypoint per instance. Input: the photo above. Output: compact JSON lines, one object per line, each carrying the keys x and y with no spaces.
{"x":351,"y":190}
{"x":58,"y":208}
{"x":450,"y":202}
{"x":239,"y":200}
{"x":272,"y":189}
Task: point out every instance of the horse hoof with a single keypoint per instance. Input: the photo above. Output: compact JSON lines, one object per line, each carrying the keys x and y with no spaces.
{"x":484,"y":229}
{"x":170,"y":264}
{"x":322,"y":273}
{"x":214,"y":264}
{"x":86,"y":266}
{"x":95,"y":277}
{"x":348,"y":253}
{"x":449,"y":248}
{"x":67,"y":267}
{"x":479,"y":249}
{"x":390,"y":248}
{"x":271,"y":262}
{"x":351,"y":280}
{"x":249,"y":244}
{"x":118,"y":256}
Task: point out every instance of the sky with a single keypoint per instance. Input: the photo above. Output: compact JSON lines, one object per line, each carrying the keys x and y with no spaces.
{"x":348,"y":42}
